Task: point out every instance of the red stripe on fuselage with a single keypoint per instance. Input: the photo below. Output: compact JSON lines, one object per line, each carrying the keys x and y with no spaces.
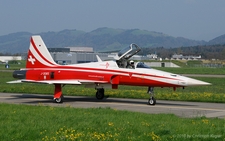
{"x":72,"y":68}
{"x":61,"y":73}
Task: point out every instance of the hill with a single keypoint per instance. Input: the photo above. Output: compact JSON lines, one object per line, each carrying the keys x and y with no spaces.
{"x":218,"y":40}
{"x":101,"y":39}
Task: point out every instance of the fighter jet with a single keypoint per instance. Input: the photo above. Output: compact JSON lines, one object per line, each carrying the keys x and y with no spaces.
{"x":41,"y":68}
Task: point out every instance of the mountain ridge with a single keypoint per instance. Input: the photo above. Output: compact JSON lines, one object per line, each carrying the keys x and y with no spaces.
{"x":101,"y":39}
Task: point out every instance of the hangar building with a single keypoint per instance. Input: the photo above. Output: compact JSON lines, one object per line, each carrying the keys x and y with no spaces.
{"x":74,"y":55}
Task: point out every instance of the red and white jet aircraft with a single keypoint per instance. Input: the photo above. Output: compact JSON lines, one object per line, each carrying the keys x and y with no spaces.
{"x":41,"y":68}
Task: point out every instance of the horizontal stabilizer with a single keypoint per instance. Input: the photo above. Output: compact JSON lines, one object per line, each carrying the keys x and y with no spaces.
{"x":72,"y":82}
{"x":13,"y":82}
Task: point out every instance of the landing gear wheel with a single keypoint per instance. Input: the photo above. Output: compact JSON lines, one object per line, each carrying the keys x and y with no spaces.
{"x":59,"y":100}
{"x":152,"y":101}
{"x":100,"y":94}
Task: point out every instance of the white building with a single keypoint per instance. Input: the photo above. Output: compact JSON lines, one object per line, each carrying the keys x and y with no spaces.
{"x":188,"y":57}
{"x":81,"y":49}
{"x":5,"y":59}
{"x":152,"y":56}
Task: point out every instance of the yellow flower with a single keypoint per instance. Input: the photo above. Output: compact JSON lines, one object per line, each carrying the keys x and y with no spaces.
{"x":155,"y":137}
{"x":206,"y":121}
{"x":110,"y":124}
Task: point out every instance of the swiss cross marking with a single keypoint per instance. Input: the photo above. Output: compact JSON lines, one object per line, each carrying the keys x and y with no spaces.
{"x":32,"y":60}
{"x":107,"y":65}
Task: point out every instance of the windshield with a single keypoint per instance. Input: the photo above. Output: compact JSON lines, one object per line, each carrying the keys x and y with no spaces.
{"x":125,"y":54}
{"x":123,"y":51}
{"x":142,"y":65}
{"x":129,"y":51}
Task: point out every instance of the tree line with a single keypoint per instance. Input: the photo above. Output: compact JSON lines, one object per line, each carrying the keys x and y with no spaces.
{"x":206,"y":51}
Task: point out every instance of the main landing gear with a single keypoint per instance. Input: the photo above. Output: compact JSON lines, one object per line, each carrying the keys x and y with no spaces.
{"x":152,"y":100}
{"x":58,"y":96}
{"x":59,"y":100}
{"x":100,"y":93}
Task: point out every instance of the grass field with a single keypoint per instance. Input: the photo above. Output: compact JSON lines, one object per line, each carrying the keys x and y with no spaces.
{"x":23,"y":122}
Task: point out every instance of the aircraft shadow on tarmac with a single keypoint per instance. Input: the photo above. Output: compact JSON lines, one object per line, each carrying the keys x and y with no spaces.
{"x":67,"y":99}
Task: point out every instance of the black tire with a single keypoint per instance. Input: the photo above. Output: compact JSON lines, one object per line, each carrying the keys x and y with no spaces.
{"x":152,"y":101}
{"x":100,"y":94}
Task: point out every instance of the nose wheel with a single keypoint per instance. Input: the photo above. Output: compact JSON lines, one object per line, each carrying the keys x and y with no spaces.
{"x":151,"y":100}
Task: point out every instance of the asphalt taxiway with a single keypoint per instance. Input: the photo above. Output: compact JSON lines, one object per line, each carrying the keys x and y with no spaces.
{"x":179,"y":108}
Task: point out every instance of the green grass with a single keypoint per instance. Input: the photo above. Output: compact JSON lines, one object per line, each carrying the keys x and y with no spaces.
{"x":23,"y":122}
{"x":194,"y":62}
{"x":14,"y":65}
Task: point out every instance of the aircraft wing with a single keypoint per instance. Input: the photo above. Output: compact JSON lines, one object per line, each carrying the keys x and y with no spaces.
{"x":71,"y":82}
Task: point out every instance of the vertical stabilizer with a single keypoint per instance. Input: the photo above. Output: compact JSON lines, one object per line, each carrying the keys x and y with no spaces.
{"x":38,"y":55}
{"x":98,"y":58}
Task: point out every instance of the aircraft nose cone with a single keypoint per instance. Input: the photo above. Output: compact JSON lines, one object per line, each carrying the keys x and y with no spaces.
{"x":194,"y":82}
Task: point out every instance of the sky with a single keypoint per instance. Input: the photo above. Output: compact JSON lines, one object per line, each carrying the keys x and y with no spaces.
{"x":192,"y":19}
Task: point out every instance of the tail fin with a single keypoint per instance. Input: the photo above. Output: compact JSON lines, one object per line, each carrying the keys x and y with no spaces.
{"x":38,"y":55}
{"x":98,"y":58}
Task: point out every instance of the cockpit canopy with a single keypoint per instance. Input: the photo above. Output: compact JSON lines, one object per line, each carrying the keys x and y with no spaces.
{"x":125,"y":54}
{"x":128,"y":52}
{"x":142,"y":65}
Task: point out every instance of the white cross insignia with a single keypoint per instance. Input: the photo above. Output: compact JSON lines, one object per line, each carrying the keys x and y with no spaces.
{"x":107,"y":65}
{"x":32,"y":60}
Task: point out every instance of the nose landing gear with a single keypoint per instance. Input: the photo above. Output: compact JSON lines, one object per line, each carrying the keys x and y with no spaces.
{"x":151,"y":100}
